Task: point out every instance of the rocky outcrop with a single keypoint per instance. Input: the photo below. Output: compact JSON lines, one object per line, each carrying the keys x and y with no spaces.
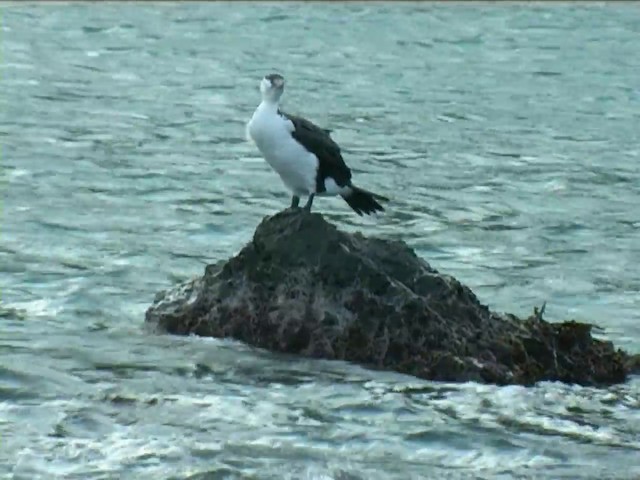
{"x":302,"y":286}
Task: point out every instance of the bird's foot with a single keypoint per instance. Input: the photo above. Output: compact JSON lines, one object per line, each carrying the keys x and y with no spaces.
{"x":307,"y":206}
{"x":295,"y":201}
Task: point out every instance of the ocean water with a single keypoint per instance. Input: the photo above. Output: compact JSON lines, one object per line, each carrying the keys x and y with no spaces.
{"x":506,"y":135}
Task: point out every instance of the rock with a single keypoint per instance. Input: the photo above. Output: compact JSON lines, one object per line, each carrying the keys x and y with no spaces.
{"x":303,"y":287}
{"x":632,"y":364}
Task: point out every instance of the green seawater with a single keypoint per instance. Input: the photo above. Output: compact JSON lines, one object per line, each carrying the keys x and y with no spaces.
{"x":507,"y":136}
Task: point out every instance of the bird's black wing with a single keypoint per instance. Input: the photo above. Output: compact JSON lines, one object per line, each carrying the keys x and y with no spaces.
{"x":319,"y":142}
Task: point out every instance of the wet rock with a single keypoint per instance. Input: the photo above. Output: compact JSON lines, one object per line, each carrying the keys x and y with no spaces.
{"x":632,"y":364}
{"x":302,"y":286}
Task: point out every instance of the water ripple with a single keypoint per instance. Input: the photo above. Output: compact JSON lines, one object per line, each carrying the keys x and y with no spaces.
{"x":505,"y":137}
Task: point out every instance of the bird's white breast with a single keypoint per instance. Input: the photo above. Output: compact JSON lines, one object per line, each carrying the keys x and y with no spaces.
{"x":272,"y":135}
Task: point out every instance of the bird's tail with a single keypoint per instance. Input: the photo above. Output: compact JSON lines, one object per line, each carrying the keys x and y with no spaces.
{"x":362,"y":201}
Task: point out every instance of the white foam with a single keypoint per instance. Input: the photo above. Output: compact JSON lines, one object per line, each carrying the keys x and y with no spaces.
{"x":16,"y":173}
{"x":44,"y":307}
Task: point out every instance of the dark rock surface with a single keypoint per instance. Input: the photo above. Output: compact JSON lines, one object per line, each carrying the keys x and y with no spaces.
{"x":302,"y":286}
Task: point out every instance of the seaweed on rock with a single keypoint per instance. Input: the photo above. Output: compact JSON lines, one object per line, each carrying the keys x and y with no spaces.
{"x":302,"y":286}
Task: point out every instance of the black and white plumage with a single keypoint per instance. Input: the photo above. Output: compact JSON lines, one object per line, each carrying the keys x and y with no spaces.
{"x":305,"y":156}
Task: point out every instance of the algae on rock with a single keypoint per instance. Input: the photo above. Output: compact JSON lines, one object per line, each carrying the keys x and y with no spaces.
{"x":302,"y":286}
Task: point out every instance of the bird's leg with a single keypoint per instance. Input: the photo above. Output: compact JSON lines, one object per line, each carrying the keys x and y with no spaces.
{"x":307,"y":205}
{"x":295,"y":201}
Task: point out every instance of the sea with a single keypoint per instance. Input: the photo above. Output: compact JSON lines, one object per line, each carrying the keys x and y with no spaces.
{"x":507,"y":136}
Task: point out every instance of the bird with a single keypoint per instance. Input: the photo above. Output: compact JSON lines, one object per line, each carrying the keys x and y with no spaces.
{"x":308,"y":161}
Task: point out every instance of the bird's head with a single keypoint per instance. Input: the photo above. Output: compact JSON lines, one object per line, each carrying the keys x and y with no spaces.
{"x":271,"y":87}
